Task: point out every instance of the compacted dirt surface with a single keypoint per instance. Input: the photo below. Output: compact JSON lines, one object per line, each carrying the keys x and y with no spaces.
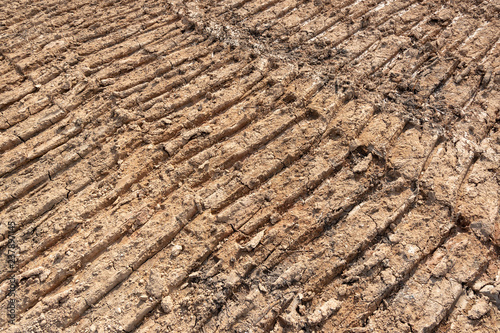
{"x":250,"y":166}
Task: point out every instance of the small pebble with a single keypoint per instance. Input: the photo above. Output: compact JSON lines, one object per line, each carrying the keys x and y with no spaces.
{"x":479,"y":309}
{"x":176,"y":250}
{"x":167,"y":304}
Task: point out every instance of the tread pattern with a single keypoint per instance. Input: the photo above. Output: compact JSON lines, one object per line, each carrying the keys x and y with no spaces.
{"x":250,"y":165}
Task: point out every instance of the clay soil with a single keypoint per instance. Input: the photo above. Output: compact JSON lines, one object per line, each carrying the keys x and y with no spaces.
{"x":250,"y":166}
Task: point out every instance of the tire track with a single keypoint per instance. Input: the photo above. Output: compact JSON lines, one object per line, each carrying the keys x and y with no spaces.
{"x":175,"y":166}
{"x":120,"y":229}
{"x":143,"y":229}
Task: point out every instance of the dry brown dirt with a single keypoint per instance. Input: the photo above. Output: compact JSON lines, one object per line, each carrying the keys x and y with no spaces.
{"x":250,"y":166}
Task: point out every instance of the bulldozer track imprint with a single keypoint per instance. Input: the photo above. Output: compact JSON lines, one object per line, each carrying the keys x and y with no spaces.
{"x":250,"y":166}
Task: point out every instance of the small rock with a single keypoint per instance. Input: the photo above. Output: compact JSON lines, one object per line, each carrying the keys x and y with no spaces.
{"x":107,"y":82}
{"x":363,"y":165}
{"x":93,"y":328}
{"x":166,"y":121}
{"x":252,"y":244}
{"x":143,"y":297}
{"x":205,"y":130}
{"x":176,"y":250}
{"x":441,"y":268}
{"x":342,"y":290}
{"x":388,"y":277}
{"x":204,"y":166}
{"x":44,"y":275}
{"x":492,"y":292}
{"x":274,"y":218}
{"x":292,"y":274}
{"x":232,"y":279}
{"x":479,"y":309}
{"x":167,"y":304}
{"x":394,"y":238}
{"x":324,"y":311}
